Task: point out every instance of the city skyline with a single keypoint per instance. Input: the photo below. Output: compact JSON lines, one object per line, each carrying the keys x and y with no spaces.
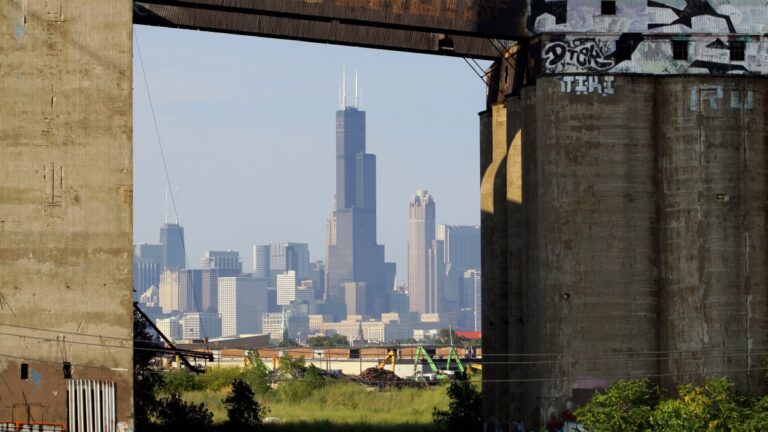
{"x":249,"y":166}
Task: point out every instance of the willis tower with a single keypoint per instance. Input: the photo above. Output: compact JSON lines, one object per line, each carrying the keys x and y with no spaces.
{"x":355,"y":262}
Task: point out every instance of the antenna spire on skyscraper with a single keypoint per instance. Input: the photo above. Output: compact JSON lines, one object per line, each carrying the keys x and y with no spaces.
{"x":357,"y":94}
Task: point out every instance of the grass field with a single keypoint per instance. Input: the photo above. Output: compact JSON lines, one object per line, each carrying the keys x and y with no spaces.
{"x":342,"y":407}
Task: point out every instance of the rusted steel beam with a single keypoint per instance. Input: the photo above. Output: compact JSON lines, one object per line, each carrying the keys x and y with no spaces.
{"x":503,"y":19}
{"x":147,"y":13}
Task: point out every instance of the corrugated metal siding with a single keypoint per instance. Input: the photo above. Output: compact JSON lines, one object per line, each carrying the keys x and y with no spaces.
{"x":91,"y":406}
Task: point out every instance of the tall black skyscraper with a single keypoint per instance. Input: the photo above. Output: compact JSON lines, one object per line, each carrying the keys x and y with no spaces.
{"x":172,"y":239}
{"x":353,"y":253}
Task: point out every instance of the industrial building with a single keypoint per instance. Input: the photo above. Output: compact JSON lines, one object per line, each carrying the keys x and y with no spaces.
{"x":624,"y":203}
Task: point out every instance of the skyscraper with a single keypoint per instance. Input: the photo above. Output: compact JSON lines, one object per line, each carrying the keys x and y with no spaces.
{"x":147,"y":266}
{"x":353,"y":253}
{"x":217,"y":264}
{"x":261,"y":256}
{"x":461,"y":249}
{"x":462,"y":245}
{"x":180,"y":290}
{"x":172,"y":240}
{"x":286,"y":288}
{"x":285,"y":256}
{"x":242,"y":302}
{"x":421,"y":241}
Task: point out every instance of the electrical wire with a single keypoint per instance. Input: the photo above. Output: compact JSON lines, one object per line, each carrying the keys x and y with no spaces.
{"x":167,"y":175}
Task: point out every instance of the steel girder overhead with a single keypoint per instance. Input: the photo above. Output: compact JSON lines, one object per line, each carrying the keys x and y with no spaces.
{"x":464,"y":28}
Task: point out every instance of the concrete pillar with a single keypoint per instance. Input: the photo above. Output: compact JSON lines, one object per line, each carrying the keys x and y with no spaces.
{"x":65,"y":202}
{"x":495,"y":298}
{"x":712,"y":137}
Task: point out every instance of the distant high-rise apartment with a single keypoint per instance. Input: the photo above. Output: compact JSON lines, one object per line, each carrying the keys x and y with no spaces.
{"x":461,"y":244}
{"x":261,"y":257}
{"x":242,"y":301}
{"x":286,"y":288}
{"x":217,"y":264}
{"x":227,"y":261}
{"x":461,"y":250}
{"x":472,"y":288}
{"x":180,"y":290}
{"x":353,"y":253}
{"x":172,"y":241}
{"x":290,"y":257}
{"x":201,"y":325}
{"x":170,"y":327}
{"x":354,"y":296}
{"x":147,"y":266}
{"x":421,"y":241}
{"x":318,"y":279}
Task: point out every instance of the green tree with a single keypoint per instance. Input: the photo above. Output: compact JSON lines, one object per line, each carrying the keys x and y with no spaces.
{"x":176,"y":414}
{"x":242,"y":408}
{"x":625,"y":405}
{"x":179,"y":381}
{"x":257,"y":375}
{"x":288,"y":343}
{"x":335,"y":340}
{"x":289,"y":367}
{"x":313,"y":378}
{"x":464,"y":409}
{"x":711,"y":407}
{"x":146,"y":373}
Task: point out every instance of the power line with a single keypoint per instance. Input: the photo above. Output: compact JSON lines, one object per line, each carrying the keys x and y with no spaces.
{"x":167,"y":175}
{"x":70,"y":333}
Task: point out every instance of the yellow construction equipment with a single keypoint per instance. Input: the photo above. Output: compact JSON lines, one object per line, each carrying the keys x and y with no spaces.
{"x":390,"y":356}
{"x":473,"y":368}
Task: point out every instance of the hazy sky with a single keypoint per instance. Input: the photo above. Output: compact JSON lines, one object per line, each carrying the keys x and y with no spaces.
{"x":248,"y":129}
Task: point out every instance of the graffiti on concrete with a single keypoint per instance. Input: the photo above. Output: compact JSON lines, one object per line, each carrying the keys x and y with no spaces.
{"x":584,"y":85}
{"x":649,"y":16}
{"x":589,"y":54}
{"x":692,"y":9}
{"x":714,"y":96}
{"x":638,"y":53}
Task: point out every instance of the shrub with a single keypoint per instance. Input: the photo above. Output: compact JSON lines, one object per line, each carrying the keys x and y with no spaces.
{"x":180,"y":381}
{"x":174,"y":413}
{"x":242,"y":409}
{"x":464,"y":410}
{"x":625,"y":405}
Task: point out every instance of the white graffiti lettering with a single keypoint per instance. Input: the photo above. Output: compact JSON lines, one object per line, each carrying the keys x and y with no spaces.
{"x":583,"y":85}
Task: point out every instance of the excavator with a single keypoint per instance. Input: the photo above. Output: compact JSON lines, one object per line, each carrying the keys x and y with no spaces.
{"x":443,"y":375}
{"x":391,"y":356}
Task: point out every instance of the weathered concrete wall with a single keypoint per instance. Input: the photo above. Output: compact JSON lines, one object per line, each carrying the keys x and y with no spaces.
{"x":637,"y":242}
{"x":495,"y":300}
{"x":713,"y":187}
{"x":65,"y":201}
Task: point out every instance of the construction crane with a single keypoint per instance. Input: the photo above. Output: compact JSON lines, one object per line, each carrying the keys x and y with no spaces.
{"x":391,"y":355}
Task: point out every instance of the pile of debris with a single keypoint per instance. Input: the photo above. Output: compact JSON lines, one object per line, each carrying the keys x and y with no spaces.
{"x":381,"y":378}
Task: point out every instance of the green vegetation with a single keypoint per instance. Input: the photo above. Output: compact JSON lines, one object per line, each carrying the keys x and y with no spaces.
{"x":335,"y":340}
{"x":636,"y":406}
{"x":242,"y":409}
{"x":174,"y":412}
{"x":465,"y":411}
{"x":339,"y":403}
